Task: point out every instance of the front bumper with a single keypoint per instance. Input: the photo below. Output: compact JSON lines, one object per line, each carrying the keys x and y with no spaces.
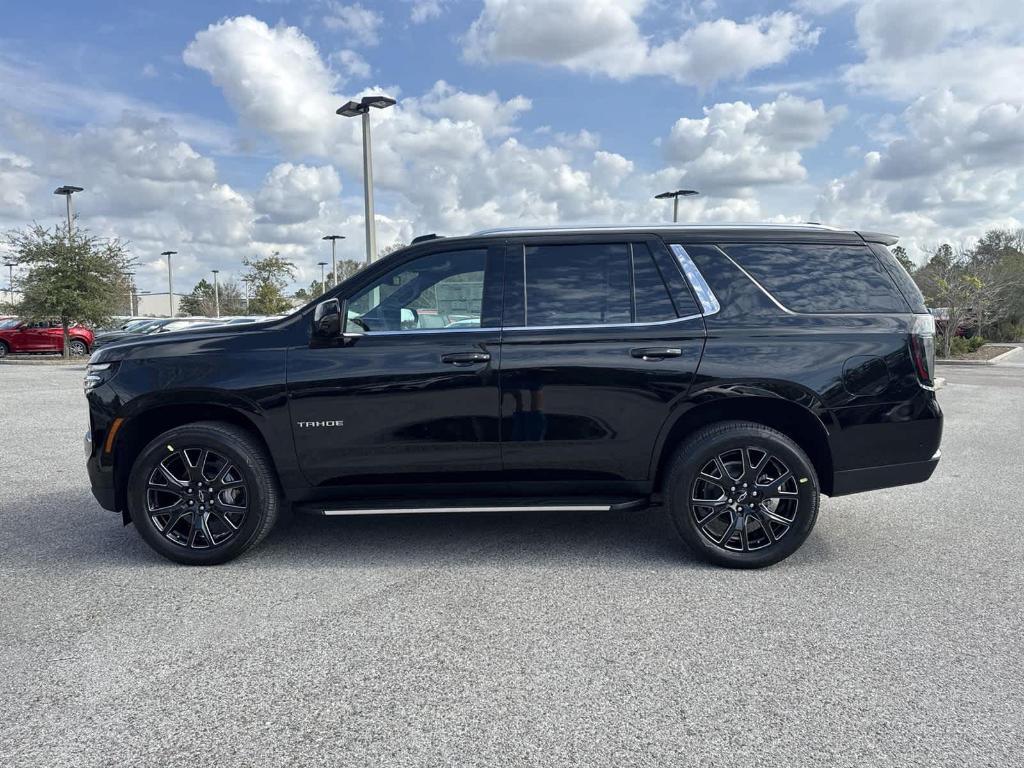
{"x":872,"y":478}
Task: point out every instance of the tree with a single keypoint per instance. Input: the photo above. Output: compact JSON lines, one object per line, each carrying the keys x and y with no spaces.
{"x":948,"y":281}
{"x":203,"y":300}
{"x":901,"y":256}
{"x":346,"y":268}
{"x":266,"y":280}
{"x":74,"y":277}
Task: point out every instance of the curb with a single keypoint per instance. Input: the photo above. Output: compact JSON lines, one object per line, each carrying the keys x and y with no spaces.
{"x":52,"y":363}
{"x":1011,"y":352}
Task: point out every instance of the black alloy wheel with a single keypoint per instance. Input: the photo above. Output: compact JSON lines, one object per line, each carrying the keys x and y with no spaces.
{"x":742,"y":495}
{"x":744,"y":499}
{"x":203,"y":493}
{"x":196,"y":498}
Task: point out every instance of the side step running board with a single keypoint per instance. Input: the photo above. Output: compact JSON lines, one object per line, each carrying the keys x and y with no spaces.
{"x":566,"y":506}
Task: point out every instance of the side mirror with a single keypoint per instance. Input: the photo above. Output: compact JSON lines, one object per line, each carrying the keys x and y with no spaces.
{"x":327,"y":319}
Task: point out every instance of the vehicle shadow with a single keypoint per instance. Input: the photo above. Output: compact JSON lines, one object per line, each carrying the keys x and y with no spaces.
{"x":70,"y":529}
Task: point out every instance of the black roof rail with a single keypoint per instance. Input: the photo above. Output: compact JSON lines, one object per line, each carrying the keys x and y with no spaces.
{"x":424,"y":238}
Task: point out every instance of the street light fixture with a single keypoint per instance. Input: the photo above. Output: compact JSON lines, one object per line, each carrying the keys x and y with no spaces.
{"x":323,"y":280}
{"x":216,"y":290}
{"x":334,"y":259}
{"x":170,"y":283}
{"x":362,"y":108}
{"x":675,"y":195}
{"x":67,"y":190}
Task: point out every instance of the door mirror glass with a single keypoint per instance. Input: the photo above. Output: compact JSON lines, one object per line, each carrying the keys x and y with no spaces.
{"x":327,"y":320}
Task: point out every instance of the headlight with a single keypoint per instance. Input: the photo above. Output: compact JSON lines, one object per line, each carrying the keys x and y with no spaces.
{"x":96,"y":374}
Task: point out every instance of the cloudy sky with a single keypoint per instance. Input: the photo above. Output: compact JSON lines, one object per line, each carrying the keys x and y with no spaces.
{"x":208,"y":126}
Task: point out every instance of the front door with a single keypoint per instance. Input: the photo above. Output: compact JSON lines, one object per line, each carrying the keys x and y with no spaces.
{"x":414,"y":399}
{"x":602,"y":338}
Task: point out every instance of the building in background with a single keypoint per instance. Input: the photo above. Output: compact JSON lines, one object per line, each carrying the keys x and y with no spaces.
{"x":155,"y":304}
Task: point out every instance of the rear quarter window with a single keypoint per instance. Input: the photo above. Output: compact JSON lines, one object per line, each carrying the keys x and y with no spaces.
{"x":820,"y":278}
{"x":902,"y":279}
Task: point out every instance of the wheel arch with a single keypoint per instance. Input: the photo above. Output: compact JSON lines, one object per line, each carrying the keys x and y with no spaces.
{"x":144,"y":425}
{"x":792,"y":419}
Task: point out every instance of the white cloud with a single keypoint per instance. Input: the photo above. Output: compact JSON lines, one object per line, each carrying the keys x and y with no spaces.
{"x":425,"y":10}
{"x":351,"y":64}
{"x":737,"y":145}
{"x":272,"y":76}
{"x":947,"y":177}
{"x":362,"y":24}
{"x":295,"y":193}
{"x":604,"y":37}
{"x":487,"y":111}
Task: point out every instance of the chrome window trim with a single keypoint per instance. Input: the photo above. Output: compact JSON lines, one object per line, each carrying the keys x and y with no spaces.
{"x":493,"y":328}
{"x":597,"y":325}
{"x":419,"y":331}
{"x":708,"y":301}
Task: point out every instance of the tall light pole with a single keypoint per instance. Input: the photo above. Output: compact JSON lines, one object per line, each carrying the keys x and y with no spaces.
{"x":216,"y":291}
{"x":170,"y":283}
{"x":362,"y":107}
{"x":10,"y":278}
{"x":131,"y":292}
{"x":323,"y":280}
{"x":334,"y":259}
{"x":67,"y":190}
{"x":675,"y":195}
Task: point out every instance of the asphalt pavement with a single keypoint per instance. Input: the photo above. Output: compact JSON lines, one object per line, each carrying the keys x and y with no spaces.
{"x":893,"y":637}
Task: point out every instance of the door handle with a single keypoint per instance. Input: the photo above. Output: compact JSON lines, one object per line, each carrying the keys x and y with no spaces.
{"x":466,"y":358}
{"x":655,"y":353}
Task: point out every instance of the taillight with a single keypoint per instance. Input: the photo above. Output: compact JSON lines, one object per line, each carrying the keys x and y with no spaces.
{"x":922,"y":346}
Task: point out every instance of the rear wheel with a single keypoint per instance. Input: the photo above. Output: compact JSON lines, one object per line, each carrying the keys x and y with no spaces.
{"x":4,"y":349}
{"x":203,"y":493}
{"x":742,"y":495}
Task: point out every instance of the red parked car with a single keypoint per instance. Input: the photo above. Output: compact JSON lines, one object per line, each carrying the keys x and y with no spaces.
{"x":42,"y":336}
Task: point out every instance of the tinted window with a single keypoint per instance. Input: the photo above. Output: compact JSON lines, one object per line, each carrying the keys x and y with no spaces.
{"x":433,"y":292}
{"x":820,"y":278}
{"x":585,"y":284}
{"x":649,"y":292}
{"x":903,"y":280}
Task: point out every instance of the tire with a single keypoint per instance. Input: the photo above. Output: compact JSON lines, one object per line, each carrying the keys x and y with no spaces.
{"x":78,"y":348}
{"x":172,"y":479}
{"x":741,"y":529}
{"x":4,"y":349}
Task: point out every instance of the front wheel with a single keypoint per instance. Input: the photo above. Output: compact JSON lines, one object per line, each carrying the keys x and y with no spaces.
{"x":203,"y":493}
{"x":78,"y":348}
{"x":742,"y":495}
{"x":3,"y":349}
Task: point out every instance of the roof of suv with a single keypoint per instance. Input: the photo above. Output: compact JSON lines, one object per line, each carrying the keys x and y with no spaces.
{"x":705,"y":231}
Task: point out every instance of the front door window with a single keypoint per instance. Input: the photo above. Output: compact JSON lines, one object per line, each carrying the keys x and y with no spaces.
{"x":434,"y":292}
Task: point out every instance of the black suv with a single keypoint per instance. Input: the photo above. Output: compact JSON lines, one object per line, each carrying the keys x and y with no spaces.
{"x":729,"y":373}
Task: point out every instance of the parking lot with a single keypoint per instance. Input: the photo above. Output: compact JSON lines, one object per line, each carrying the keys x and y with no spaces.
{"x":892,"y":637}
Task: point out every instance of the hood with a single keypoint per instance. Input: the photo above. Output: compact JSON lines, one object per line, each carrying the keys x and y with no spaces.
{"x":183,"y":342}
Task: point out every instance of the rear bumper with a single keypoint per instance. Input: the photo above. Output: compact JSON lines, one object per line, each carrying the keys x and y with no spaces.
{"x":872,"y":478}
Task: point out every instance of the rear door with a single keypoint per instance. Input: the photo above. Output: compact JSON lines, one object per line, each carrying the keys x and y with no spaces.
{"x":601,"y":337}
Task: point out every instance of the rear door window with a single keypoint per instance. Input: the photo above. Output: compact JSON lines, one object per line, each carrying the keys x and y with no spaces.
{"x":584,"y":284}
{"x":820,"y":278}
